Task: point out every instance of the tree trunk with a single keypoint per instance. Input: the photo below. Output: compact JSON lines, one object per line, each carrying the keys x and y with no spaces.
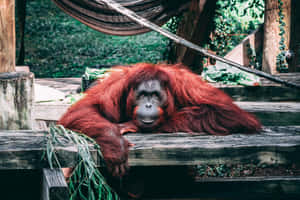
{"x":7,"y":36}
{"x":196,"y":28}
{"x":271,"y":33}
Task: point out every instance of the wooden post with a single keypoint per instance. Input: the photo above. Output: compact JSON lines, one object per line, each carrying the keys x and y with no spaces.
{"x":7,"y":36}
{"x":54,"y":185}
{"x":271,"y":33}
{"x":16,"y":88}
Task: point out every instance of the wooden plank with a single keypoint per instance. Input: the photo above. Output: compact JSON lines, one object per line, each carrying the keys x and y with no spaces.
{"x":183,"y":149}
{"x":281,"y":145}
{"x":268,"y":91}
{"x":54,"y":185}
{"x":26,"y":150}
{"x":294,"y":77}
{"x":270,"y":113}
{"x":274,"y":113}
{"x":264,"y":93}
{"x":7,"y":36}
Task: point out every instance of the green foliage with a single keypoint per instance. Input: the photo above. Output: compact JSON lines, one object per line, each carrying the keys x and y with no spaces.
{"x":234,"y":20}
{"x":86,"y":181}
{"x":281,"y":63}
{"x":245,"y":170}
{"x":60,"y":46}
{"x":226,"y":74}
{"x":254,"y":57}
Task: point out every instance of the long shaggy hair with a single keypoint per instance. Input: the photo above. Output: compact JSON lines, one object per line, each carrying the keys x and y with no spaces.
{"x":192,"y":106}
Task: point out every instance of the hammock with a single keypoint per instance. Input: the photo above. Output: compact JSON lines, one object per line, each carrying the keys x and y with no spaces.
{"x":101,"y":18}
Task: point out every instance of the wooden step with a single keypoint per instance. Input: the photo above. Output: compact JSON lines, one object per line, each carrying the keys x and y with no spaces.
{"x":272,"y":92}
{"x":270,"y":113}
{"x":268,"y":91}
{"x":274,"y":113}
{"x":276,"y":144}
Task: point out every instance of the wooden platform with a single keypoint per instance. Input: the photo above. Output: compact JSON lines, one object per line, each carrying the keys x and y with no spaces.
{"x":270,"y":113}
{"x":268,"y":91}
{"x":279,"y":144}
{"x":273,"y":104}
{"x":24,"y":150}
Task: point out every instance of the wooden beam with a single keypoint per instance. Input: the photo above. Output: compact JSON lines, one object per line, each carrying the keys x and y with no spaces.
{"x":271,"y":33}
{"x":270,"y":113}
{"x":268,"y":91}
{"x":54,"y":185}
{"x":29,"y":148}
{"x":7,"y":36}
{"x":265,"y":93}
{"x":271,"y":146}
{"x":275,"y":145}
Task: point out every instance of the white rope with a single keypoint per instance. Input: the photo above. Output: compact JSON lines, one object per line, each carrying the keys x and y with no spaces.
{"x":144,"y":22}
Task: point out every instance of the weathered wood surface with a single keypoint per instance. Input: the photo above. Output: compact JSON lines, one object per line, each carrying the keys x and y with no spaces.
{"x":25,"y":149}
{"x":271,"y":33}
{"x":261,"y":93}
{"x":270,"y":113}
{"x":294,"y":77}
{"x":66,"y":85}
{"x":7,"y":36}
{"x":274,"y":113}
{"x":267,"y":92}
{"x":181,"y":149}
{"x":54,"y":185}
{"x":16,"y":100}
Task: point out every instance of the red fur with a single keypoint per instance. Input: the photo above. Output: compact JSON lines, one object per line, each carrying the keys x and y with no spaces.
{"x":192,"y":106}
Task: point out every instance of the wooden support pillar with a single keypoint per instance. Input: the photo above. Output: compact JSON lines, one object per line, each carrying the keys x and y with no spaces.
{"x":7,"y":36}
{"x":271,"y":33}
{"x":16,"y":88}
